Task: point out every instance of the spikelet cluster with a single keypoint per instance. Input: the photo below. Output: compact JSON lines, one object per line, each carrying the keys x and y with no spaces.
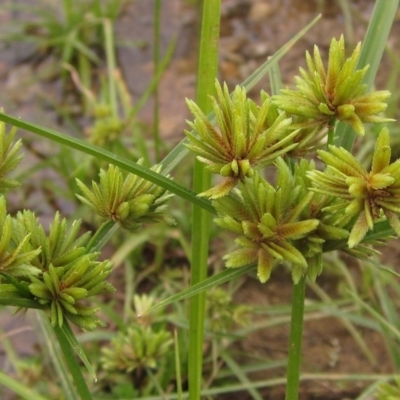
{"x":138,"y":347}
{"x":363,"y":196}
{"x":16,"y":249}
{"x":9,"y":157}
{"x":324,"y":95}
{"x":141,"y":346}
{"x":53,"y":270}
{"x":268,"y":223}
{"x":247,"y":137}
{"x":130,"y":201}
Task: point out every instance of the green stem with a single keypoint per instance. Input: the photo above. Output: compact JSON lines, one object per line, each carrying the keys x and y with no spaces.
{"x":156,"y":62}
{"x":111,"y":66}
{"x":73,"y":364}
{"x":102,"y":236}
{"x":331,"y":132}
{"x":295,"y":340}
{"x":207,"y":73}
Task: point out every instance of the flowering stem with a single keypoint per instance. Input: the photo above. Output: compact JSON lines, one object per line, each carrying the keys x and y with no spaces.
{"x":72,"y":363}
{"x":295,"y":340}
{"x":207,"y":72}
{"x":102,"y":236}
{"x":331,"y":131}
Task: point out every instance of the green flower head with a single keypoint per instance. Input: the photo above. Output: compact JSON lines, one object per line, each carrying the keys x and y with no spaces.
{"x":128,"y":201}
{"x":336,"y":93}
{"x":268,"y":222}
{"x":9,"y":157}
{"x":16,"y":250}
{"x":248,"y":137}
{"x":67,"y":276}
{"x":362,"y":195}
{"x":137,"y":348}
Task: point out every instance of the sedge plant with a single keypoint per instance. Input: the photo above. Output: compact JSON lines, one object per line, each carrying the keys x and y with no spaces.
{"x":290,"y":221}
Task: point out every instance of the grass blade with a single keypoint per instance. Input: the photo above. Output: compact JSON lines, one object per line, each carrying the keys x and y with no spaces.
{"x":226,"y":275}
{"x":201,"y":221}
{"x":73,"y":366}
{"x":112,"y":158}
{"x":237,"y":370}
{"x":58,"y":361}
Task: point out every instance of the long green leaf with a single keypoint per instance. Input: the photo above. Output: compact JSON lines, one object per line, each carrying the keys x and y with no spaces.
{"x":23,"y":303}
{"x":226,"y":275}
{"x":112,"y":158}
{"x":395,"y":331}
{"x":73,"y":365}
{"x":57,"y":359}
{"x":75,"y":345}
{"x":201,"y":221}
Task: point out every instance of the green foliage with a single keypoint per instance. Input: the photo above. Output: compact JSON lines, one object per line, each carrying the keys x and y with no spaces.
{"x":336,"y":93}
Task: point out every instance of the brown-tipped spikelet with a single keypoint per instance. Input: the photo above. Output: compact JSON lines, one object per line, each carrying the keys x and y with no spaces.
{"x":268,"y":223}
{"x":9,"y":157}
{"x":322,"y":96}
{"x":130,"y":201}
{"x":368,"y":196}
{"x":248,"y":137}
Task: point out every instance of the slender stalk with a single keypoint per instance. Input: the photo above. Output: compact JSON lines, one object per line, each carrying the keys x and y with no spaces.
{"x":207,"y":72}
{"x":331,"y":132}
{"x":59,"y":363}
{"x":156,"y":61}
{"x":102,"y":236}
{"x":73,"y":364}
{"x":111,"y":66}
{"x":295,"y":340}
{"x":178,"y":366}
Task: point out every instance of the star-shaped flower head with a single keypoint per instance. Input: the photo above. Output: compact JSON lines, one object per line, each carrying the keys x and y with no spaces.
{"x":322,"y":96}
{"x":248,"y":137}
{"x":16,"y":250}
{"x":328,"y":232}
{"x":130,"y":201}
{"x":9,"y":157}
{"x":69,"y":275}
{"x":268,"y":223}
{"x":368,"y":196}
